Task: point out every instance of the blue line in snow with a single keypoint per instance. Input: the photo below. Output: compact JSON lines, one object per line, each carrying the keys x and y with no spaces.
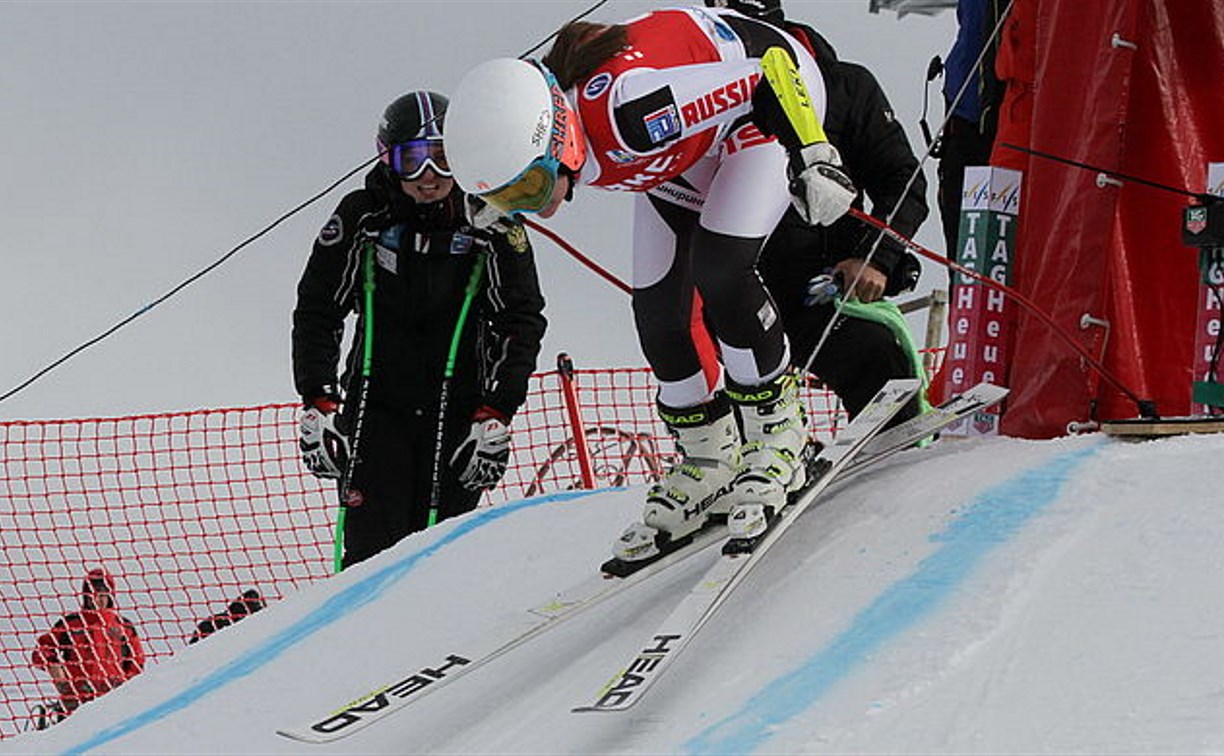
{"x":991,"y":519}
{"x":336,"y":607}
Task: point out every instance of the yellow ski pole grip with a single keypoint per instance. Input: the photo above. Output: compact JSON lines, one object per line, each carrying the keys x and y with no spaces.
{"x":783,"y":77}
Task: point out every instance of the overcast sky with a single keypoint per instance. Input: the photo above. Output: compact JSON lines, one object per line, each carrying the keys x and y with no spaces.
{"x":144,"y":140}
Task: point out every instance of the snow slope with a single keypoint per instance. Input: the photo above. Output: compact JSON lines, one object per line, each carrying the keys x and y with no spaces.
{"x":998,"y":595}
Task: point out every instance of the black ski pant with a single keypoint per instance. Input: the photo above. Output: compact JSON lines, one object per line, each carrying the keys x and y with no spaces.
{"x":393,"y":478}
{"x":962,"y":145}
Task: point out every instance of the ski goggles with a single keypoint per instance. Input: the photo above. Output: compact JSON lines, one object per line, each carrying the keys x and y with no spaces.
{"x":532,"y":190}
{"x":409,"y":160}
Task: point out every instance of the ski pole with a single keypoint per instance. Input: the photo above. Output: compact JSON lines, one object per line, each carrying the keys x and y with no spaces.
{"x":435,"y":492}
{"x":367,"y":362}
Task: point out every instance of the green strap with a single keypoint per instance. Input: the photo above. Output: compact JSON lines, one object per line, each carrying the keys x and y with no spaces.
{"x":888,"y":314}
{"x":367,"y":361}
{"x":367,"y":351}
{"x":469,"y":294}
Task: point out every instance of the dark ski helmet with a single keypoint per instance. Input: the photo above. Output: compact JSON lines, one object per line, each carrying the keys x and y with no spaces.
{"x":410,"y":134}
{"x":416,"y":115}
{"x":769,"y":11}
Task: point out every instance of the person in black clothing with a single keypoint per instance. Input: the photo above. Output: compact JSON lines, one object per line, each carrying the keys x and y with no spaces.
{"x":972,"y":121}
{"x":245,"y":605}
{"x":408,"y":229}
{"x":862,"y":352}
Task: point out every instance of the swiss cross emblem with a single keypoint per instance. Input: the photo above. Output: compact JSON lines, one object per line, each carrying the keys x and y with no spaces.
{"x":1196,"y":219}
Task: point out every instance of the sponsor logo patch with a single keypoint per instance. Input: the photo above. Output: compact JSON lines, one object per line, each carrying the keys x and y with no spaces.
{"x":1196,"y":219}
{"x":332,"y":232}
{"x":597,"y":86}
{"x":387,"y":260}
{"x":542,"y":127}
{"x":620,"y":157}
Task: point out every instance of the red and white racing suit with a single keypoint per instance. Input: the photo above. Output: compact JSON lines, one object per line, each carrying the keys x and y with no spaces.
{"x":669,"y":118}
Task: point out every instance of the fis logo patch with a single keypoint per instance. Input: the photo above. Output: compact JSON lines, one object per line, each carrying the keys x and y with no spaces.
{"x":662,"y":125}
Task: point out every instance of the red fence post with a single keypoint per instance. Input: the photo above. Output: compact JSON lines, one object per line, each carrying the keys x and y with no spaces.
{"x":565,"y":368}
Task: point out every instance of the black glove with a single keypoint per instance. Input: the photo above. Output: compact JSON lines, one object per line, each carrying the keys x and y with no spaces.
{"x":904,"y":275}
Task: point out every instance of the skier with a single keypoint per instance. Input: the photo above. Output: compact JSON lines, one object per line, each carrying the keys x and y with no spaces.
{"x":663,"y":106}
{"x":870,"y":342}
{"x":89,"y":652}
{"x":406,"y":228}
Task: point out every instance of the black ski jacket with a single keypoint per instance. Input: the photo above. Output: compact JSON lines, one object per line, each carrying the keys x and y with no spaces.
{"x":877,"y":157}
{"x":424,"y":256}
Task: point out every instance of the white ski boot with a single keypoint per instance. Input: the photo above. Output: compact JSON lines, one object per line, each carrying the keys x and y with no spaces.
{"x":696,"y":487}
{"x":774,"y":454}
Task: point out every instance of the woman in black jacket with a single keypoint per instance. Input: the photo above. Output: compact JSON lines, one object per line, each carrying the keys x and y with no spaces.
{"x":435,"y":281}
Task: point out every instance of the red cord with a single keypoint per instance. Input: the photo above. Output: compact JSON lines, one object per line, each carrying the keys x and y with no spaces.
{"x":1146,"y":407}
{"x":563,"y":244}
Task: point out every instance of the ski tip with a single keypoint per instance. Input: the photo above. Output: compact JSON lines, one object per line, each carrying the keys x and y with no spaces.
{"x":590,"y":709}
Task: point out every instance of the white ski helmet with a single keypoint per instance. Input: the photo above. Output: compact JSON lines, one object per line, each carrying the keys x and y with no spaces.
{"x":509,"y":130}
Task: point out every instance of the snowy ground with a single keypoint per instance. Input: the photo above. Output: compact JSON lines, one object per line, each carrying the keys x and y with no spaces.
{"x":999,"y":596}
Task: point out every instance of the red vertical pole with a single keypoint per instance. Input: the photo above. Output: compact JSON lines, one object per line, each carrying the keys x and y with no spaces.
{"x":565,"y":368}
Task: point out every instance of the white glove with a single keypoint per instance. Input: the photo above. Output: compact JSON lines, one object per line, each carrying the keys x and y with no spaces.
{"x":482,"y":457}
{"x":484,"y":216}
{"x":325,"y":449}
{"x":821,"y":191}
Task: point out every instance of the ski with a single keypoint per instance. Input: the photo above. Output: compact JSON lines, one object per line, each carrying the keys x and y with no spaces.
{"x":591,"y":592}
{"x":904,"y":435}
{"x":739,"y":556}
{"x":557,"y":609}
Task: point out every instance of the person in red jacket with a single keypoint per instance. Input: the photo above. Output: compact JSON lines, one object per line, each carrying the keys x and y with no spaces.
{"x":91,"y":651}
